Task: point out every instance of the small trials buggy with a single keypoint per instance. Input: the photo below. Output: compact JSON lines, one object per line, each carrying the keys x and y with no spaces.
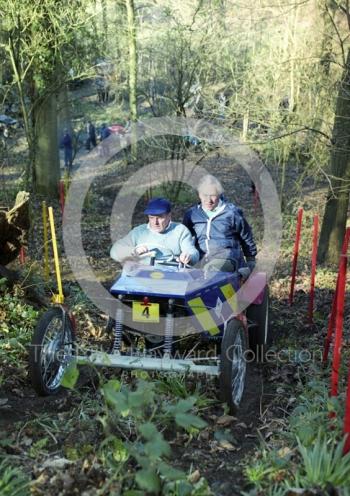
{"x":161,"y":307}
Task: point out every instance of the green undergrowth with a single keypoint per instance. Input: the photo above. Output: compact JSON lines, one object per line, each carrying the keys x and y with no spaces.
{"x":13,"y":482}
{"x":181,"y":194}
{"x":305,"y":452}
{"x":17,"y":321}
{"x":123,"y":432}
{"x":289,"y":232}
{"x":138,"y":423}
{"x":301,"y":437}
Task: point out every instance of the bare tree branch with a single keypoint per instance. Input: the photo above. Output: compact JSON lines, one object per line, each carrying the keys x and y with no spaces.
{"x":341,"y":42}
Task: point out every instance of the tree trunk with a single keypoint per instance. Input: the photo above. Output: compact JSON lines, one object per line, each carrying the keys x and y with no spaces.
{"x":2,"y":55}
{"x":334,"y":220}
{"x":132,"y":59}
{"x":63,"y":112}
{"x":18,"y":79}
{"x":47,"y":165}
{"x":132,"y":72}
{"x":104,"y":20}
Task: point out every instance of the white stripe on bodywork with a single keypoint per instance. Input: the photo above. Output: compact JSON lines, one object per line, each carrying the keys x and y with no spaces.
{"x":142,"y":284}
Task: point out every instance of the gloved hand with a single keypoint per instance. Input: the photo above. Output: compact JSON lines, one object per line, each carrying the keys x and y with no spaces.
{"x":251,"y":264}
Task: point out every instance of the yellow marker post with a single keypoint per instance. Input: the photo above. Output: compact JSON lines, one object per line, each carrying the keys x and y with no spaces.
{"x":46,"y":245}
{"x":58,"y":298}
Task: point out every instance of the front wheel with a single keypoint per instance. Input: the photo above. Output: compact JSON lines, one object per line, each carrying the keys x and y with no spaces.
{"x":233,"y":364}
{"x":51,"y":350}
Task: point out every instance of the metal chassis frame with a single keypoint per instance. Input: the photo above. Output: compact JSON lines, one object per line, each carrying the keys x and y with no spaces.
{"x":165,"y":364}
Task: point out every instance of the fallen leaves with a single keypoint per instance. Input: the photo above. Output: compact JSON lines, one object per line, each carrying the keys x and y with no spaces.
{"x":56,"y":463}
{"x":194,"y":477}
{"x":225,"y":420}
{"x":226,"y":445}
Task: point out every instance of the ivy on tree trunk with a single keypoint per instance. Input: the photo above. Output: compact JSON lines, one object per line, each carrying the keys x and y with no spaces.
{"x":335,"y":215}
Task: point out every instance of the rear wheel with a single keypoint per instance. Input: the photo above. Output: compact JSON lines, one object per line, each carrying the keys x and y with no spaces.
{"x":258,"y":324}
{"x":233,"y":364}
{"x":51,"y":350}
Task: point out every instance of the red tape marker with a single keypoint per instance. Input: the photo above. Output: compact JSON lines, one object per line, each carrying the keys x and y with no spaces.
{"x":339,"y":318}
{"x":295,"y":255}
{"x":313,"y":270}
{"x":331,"y":323}
{"x":22,"y":255}
{"x":61,"y":192}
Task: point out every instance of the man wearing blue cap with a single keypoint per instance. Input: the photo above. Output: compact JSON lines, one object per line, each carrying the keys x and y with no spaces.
{"x":160,"y":234}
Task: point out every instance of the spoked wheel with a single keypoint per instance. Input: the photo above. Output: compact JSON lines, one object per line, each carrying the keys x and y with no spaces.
{"x":258,"y":325}
{"x":50,"y":351}
{"x":233,"y":364}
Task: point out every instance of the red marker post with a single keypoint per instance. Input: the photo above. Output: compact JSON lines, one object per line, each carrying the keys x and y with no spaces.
{"x":295,"y":255}
{"x":339,"y":319}
{"x":331,"y":323}
{"x":61,"y":192}
{"x":313,"y":270}
{"x":22,"y":255}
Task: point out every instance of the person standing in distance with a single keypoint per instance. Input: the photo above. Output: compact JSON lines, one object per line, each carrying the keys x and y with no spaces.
{"x":67,"y":145}
{"x":91,"y":139}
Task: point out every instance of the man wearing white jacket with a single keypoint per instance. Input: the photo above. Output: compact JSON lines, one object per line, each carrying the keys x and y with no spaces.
{"x":160,"y":234}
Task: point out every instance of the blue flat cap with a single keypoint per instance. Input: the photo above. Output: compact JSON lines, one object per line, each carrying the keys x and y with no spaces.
{"x":158,"y":206}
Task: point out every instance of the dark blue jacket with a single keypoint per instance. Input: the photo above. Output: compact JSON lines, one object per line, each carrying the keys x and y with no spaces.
{"x":92,"y":131}
{"x":226,"y":235}
{"x":66,"y":141}
{"x":105,"y":132}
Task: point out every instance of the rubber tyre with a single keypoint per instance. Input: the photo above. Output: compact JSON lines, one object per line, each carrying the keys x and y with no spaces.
{"x":233,"y":366}
{"x":47,"y":371}
{"x":258,"y":324}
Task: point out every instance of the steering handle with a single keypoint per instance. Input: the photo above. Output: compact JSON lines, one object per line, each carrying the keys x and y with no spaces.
{"x":153,"y":252}
{"x":167,"y":260}
{"x":175,"y":263}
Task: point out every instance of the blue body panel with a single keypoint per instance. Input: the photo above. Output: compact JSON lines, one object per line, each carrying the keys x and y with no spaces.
{"x":170,"y":282}
{"x":194,"y":286}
